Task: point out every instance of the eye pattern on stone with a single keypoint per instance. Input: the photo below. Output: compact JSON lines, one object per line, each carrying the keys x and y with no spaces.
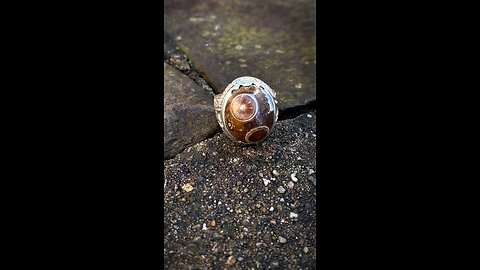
{"x":246,"y":110}
{"x":244,"y":107}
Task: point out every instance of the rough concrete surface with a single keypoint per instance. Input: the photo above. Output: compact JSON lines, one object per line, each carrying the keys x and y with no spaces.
{"x":230,"y":206}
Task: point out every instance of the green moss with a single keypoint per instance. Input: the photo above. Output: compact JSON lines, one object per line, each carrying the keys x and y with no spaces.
{"x":236,"y":32}
{"x":275,"y":50}
{"x":282,"y":98}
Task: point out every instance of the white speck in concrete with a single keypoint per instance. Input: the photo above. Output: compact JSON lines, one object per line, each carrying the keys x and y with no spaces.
{"x":266,"y":182}
{"x":294,"y":179}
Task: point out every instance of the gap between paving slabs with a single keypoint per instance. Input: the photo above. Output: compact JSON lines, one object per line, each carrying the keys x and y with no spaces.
{"x":226,"y":41}
{"x":179,"y":60}
{"x":176,"y":58}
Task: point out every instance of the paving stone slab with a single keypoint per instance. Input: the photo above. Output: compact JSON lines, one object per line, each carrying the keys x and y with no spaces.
{"x":230,"y":206}
{"x":269,"y":39}
{"x":189,"y":116}
{"x":173,"y":56}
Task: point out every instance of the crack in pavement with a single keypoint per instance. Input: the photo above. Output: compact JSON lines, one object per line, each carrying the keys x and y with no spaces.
{"x":292,"y":112}
{"x":176,"y":58}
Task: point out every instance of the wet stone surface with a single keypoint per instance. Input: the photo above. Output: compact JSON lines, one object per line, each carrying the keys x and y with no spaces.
{"x":271,"y":40}
{"x":189,"y":116}
{"x":222,"y":209}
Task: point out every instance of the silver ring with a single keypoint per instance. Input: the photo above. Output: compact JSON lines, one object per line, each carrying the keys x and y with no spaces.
{"x":247,"y":110}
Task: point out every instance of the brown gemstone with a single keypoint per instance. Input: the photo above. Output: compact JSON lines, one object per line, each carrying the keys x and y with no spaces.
{"x":249,"y":115}
{"x":244,"y":107}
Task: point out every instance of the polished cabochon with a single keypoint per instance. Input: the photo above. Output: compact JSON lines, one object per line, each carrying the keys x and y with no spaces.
{"x":247,"y":110}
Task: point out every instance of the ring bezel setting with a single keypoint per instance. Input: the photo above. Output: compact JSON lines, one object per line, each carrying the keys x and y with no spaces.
{"x":262,"y":90}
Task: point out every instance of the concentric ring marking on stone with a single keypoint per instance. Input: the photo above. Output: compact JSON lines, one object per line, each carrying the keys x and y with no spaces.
{"x":244,"y":107}
{"x":257,"y":134}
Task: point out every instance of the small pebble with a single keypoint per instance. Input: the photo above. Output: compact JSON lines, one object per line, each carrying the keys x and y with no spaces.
{"x":231,"y":260}
{"x":266,"y":181}
{"x":204,"y":227}
{"x":271,"y":209}
{"x":305,"y":249}
{"x":290,"y":184}
{"x":275,"y":173}
{"x":293,"y":215}
{"x":187,"y":187}
{"x":261,"y":174}
{"x":282,"y":240}
{"x":213,"y":223}
{"x":239,"y":47}
{"x":310,"y":171}
{"x":309,"y":115}
{"x":281,"y":189}
{"x":294,"y":179}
